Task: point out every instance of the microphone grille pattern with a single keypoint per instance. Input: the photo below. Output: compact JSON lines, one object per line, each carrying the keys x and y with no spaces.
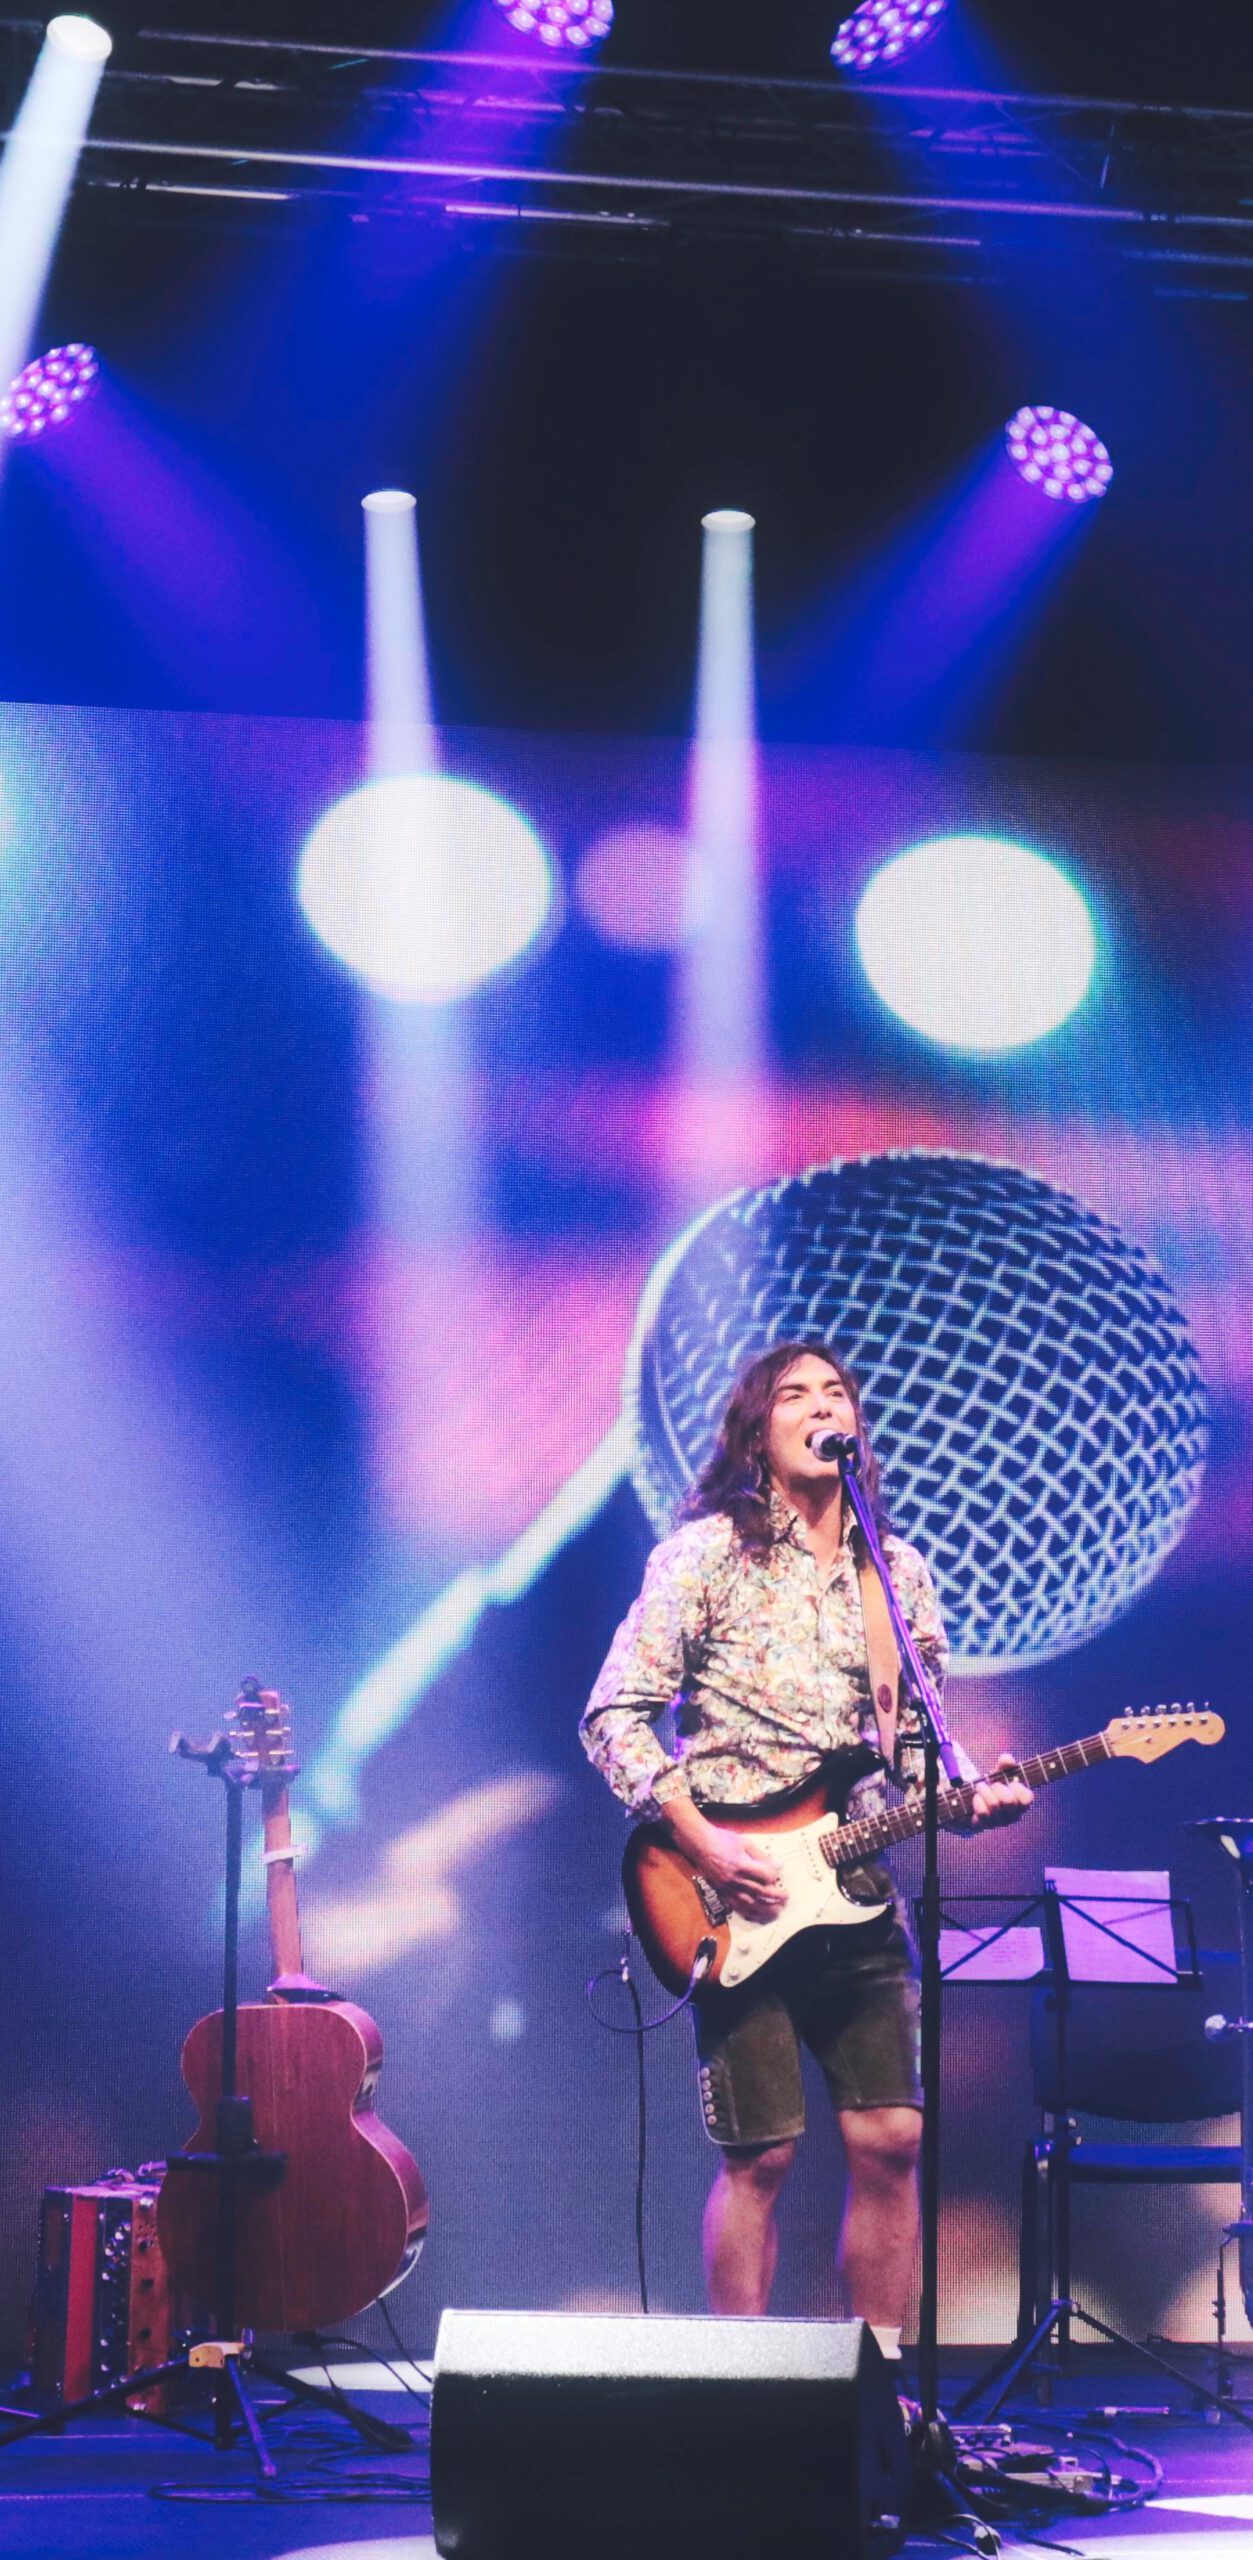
{"x":1031,"y":1386}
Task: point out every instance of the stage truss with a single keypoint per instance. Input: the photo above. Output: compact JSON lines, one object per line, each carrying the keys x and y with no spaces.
{"x":885,"y":181}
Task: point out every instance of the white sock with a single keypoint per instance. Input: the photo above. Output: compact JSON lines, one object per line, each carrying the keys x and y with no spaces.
{"x":887,"y":2340}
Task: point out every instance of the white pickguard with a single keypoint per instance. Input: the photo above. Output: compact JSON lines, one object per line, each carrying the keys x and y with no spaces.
{"x":815,"y":1899}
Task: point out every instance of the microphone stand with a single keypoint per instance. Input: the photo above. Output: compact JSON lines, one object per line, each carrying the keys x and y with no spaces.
{"x":939,"y":1754}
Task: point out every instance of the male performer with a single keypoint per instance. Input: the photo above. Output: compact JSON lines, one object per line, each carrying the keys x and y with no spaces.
{"x":750,"y":1619}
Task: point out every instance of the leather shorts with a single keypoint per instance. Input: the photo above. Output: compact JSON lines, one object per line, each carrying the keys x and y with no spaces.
{"x":853,"y":2005}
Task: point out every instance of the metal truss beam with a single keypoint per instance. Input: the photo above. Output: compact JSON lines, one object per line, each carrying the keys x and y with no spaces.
{"x":877,"y":178}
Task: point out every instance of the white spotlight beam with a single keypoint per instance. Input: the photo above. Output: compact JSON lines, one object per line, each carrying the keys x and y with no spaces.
{"x":419,"y":1138}
{"x":402,"y":738}
{"x":722,"y":1004}
{"x":720,"y":1040}
{"x":37,"y":173}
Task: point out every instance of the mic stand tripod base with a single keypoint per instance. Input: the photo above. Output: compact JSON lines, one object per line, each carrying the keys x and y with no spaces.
{"x":1006,"y":2369}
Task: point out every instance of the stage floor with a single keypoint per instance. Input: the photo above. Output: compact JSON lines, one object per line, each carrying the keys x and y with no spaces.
{"x":90,"y":2492}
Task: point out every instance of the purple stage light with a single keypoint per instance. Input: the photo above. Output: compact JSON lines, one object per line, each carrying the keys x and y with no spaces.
{"x":1058,"y":455}
{"x":48,"y":390}
{"x":882,"y":30}
{"x":556,"y":22}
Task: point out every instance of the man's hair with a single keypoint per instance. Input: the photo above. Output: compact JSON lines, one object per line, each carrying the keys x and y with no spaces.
{"x":736,"y":1478}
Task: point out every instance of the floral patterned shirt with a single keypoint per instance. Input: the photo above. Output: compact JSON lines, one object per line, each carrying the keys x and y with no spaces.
{"x":764,"y":1660}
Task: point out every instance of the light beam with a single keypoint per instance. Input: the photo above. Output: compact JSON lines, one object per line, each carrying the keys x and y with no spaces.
{"x":37,"y":173}
{"x":721,"y":1005}
{"x":398,"y":688}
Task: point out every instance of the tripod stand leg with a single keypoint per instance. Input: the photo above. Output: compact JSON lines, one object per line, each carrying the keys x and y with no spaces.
{"x":232,"y":2397}
{"x":374,"y":2431}
{"x":1007,"y":2368}
{"x":1148,"y":2355}
{"x":108,"y":2397}
{"x":224,"y":2411}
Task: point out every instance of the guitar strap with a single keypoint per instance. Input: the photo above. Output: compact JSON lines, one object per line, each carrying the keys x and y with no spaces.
{"x":882,"y":1657}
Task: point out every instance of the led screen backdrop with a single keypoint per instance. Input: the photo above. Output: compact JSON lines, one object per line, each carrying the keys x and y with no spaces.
{"x":365,"y":1347}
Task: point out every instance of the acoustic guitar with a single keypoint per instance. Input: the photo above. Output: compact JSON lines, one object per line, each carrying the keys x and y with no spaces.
{"x":688,"y":1933}
{"x":347,"y":2212}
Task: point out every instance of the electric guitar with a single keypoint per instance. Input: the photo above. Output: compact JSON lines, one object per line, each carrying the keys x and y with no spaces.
{"x":347,"y":2213}
{"x":689,"y":1933}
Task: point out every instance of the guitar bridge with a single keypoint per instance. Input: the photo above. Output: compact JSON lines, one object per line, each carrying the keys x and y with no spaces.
{"x":715,"y":1909}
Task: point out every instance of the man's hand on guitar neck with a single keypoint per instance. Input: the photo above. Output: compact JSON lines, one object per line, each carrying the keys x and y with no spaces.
{"x":747,"y":1878}
{"x":1000,"y":1797}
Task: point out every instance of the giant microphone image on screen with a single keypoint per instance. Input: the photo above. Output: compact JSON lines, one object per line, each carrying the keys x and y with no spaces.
{"x":365,"y":1336}
{"x":1032,"y":1388}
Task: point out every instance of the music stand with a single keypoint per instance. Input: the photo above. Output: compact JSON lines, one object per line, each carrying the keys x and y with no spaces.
{"x":1127,"y":1949}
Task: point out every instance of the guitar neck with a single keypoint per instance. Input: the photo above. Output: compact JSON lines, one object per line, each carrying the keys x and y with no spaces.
{"x":878,"y":1831}
{"x":280,"y":1884}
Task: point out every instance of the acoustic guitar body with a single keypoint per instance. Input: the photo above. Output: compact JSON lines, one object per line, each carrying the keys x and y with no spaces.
{"x":349,"y":2211}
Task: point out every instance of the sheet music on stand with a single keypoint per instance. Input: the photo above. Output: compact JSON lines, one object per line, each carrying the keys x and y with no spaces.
{"x":1009,"y":1950}
{"x":1084,"y":1924}
{"x":1115,"y":1926}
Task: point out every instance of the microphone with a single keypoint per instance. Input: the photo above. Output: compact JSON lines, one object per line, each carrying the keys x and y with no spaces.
{"x":1217,"y":2027}
{"x":841,"y":1445}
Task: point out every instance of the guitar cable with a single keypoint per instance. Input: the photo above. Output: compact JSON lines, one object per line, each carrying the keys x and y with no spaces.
{"x":621,"y":1972}
{"x":419,"y":2391}
{"x":639,"y":2028}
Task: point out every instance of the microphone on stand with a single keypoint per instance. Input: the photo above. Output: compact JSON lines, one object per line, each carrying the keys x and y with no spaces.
{"x":839,"y":1445}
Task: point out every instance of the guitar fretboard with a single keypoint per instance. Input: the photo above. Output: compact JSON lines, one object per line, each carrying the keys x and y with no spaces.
{"x":877,"y":1831}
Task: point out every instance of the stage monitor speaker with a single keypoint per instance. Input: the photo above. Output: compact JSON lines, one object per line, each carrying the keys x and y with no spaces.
{"x":555,"y":2435}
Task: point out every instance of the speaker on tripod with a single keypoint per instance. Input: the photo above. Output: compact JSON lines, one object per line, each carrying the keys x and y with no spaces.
{"x":663,"y":2439}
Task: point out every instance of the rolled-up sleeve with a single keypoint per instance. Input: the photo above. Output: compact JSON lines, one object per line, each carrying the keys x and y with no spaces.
{"x":644,"y":1672}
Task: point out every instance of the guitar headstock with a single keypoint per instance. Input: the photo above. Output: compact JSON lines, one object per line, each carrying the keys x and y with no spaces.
{"x":259,"y":1723}
{"x":1149,"y":1732}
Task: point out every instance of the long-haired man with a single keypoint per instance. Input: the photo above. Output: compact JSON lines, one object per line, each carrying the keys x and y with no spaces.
{"x":750,"y":1624}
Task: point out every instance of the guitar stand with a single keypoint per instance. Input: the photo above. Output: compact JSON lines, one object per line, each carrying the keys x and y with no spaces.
{"x":227,"y":2360}
{"x":227,"y":2354}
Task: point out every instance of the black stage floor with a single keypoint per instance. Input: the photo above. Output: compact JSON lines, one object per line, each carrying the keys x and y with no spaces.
{"x":91,"y":2492}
